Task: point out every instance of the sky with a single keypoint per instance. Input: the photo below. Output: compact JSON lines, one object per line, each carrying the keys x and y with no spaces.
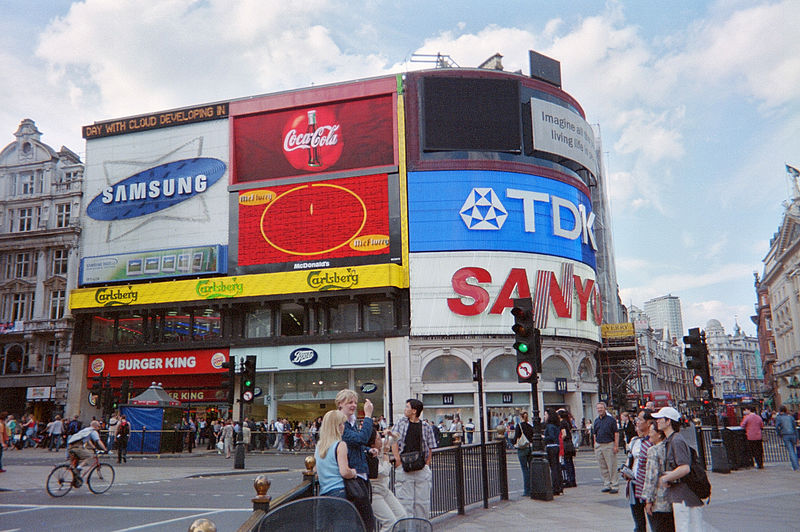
{"x":697,"y":102}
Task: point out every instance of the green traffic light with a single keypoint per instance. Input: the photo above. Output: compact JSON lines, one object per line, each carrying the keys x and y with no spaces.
{"x":523,"y":348}
{"x":247,"y":383}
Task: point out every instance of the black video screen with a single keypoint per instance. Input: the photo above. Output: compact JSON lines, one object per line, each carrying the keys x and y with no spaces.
{"x":470,"y":114}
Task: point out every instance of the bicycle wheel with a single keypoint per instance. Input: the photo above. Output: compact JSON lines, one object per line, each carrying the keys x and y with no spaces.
{"x":101,"y":478}
{"x":59,"y":481}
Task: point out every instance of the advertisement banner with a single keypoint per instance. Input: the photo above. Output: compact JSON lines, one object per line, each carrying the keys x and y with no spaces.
{"x":320,"y":280}
{"x":305,"y":223}
{"x":472,"y":293}
{"x":464,"y":210}
{"x":202,"y":260}
{"x":562,"y":131}
{"x":617,"y":330}
{"x":193,"y":362}
{"x":329,"y":137}
{"x":164,"y":185}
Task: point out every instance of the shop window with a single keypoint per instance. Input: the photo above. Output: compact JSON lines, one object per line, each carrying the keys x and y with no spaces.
{"x":343,"y":317}
{"x":51,"y":354}
{"x":447,"y":368}
{"x":379,"y":316}
{"x":502,"y":368}
{"x":131,"y":328}
{"x":259,"y":323}
{"x":309,"y":385}
{"x":292,"y":319}
{"x":175,"y":326}
{"x":102,"y":330}
{"x":554,"y":367}
{"x":207,"y":324}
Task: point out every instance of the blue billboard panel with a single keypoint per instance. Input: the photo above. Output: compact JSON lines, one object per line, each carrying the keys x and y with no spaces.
{"x":479,"y":210}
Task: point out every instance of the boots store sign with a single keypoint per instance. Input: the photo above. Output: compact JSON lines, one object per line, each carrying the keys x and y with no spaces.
{"x":326,"y":137}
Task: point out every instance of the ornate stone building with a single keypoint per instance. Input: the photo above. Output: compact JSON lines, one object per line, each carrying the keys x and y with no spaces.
{"x":40,"y":198}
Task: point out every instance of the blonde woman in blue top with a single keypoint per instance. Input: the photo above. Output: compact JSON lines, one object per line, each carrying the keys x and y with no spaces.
{"x":332,"y":467}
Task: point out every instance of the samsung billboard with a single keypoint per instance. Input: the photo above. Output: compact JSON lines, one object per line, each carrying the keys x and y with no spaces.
{"x":478,"y":210}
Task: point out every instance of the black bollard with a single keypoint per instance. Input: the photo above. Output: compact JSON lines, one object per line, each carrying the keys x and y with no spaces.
{"x":238,"y":456}
{"x":541,"y":483}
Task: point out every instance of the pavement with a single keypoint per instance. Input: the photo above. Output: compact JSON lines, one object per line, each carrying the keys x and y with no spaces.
{"x":744,"y":500}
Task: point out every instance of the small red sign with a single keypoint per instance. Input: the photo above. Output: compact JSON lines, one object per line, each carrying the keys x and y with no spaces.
{"x":192,"y":362}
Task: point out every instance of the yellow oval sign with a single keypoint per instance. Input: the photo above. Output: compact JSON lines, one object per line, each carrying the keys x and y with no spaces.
{"x":256,"y":197}
{"x":370,"y":242}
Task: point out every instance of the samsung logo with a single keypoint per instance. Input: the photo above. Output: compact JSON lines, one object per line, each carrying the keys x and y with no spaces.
{"x":304,"y":356}
{"x":156,"y":189}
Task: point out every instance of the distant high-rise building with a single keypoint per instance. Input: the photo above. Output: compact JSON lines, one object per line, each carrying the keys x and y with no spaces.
{"x":665,"y":314}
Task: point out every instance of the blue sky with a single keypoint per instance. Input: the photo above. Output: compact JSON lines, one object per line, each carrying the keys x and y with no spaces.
{"x":697,"y":102}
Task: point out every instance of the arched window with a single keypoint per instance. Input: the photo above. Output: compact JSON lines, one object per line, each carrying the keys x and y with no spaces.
{"x":554,"y":367}
{"x":585,"y":372}
{"x":447,"y":368}
{"x":502,"y":368}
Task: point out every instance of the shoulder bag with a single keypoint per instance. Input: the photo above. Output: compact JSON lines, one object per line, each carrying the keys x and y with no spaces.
{"x":522,"y":442}
{"x":414,"y":460}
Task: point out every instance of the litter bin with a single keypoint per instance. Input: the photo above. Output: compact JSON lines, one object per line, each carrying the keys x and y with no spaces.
{"x":734,"y":440}
{"x":447,"y":439}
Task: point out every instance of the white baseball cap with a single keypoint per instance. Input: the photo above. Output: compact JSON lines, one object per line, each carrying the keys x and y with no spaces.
{"x":669,"y":413}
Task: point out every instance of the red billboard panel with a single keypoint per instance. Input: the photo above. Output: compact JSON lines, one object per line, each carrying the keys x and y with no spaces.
{"x":331,"y":137}
{"x":306,"y":223}
{"x":192,"y":362}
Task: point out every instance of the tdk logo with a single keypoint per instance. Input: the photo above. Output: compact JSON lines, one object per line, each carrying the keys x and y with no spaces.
{"x":482,"y":210}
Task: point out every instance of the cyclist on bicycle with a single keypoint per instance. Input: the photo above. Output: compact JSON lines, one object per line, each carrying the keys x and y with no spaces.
{"x":83,"y":443}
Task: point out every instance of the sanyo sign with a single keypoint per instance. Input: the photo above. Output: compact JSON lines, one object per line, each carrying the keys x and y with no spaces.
{"x":470,"y":210}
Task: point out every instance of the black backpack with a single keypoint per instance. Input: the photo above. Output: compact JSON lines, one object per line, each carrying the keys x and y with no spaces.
{"x":697,"y":480}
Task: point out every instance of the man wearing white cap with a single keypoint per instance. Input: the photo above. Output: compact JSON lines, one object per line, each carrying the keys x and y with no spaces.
{"x":686,"y":506}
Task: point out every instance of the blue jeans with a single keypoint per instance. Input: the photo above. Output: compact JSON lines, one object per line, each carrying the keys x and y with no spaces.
{"x":790,"y":441}
{"x":55,"y":441}
{"x":524,"y":456}
{"x":336,"y":493}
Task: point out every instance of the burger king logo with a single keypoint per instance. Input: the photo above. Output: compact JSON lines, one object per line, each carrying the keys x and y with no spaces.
{"x":217,"y":360}
{"x":98,"y":365}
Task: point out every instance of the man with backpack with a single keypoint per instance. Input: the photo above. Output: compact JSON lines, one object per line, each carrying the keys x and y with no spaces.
{"x":686,"y":506}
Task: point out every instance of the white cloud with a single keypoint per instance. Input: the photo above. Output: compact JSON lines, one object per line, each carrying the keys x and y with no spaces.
{"x":686,"y":281}
{"x":698,"y":314}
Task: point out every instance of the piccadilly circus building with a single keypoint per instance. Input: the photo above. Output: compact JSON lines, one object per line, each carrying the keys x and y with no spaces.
{"x":369,"y":234}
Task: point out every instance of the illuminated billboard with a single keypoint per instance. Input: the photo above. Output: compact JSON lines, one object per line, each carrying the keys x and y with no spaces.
{"x":327,"y":137}
{"x":472,"y":293}
{"x":478,"y":210}
{"x":317,"y":224}
{"x":156,"y":189}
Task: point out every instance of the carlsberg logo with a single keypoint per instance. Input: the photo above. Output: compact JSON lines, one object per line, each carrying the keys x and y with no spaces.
{"x":334,"y":280}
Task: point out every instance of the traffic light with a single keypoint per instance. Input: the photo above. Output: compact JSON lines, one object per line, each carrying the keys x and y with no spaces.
{"x":229,"y":383}
{"x":124,"y":391}
{"x":527,"y":341}
{"x":696,"y":353}
{"x":97,"y":385}
{"x":249,"y":379}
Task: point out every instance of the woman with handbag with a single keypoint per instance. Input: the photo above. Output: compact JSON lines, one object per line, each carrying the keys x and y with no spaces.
{"x":332,"y":466}
{"x":356,"y":436}
{"x":523,"y":435}
{"x":569,"y":450}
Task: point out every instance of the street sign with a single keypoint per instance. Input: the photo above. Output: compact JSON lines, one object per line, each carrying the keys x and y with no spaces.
{"x":257,"y":392}
{"x":698,"y":381}
{"x":524,"y":370}
{"x":247,"y":396}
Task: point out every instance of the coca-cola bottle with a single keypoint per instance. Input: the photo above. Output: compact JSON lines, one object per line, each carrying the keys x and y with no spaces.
{"x":313,"y":154}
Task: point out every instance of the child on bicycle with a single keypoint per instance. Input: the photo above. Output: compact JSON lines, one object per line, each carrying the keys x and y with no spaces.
{"x":82,"y":444}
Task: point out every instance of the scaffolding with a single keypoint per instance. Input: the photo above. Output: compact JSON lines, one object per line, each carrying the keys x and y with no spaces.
{"x":619,"y":371}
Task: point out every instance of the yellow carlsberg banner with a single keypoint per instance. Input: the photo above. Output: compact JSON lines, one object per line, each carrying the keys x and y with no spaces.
{"x":353,"y":277}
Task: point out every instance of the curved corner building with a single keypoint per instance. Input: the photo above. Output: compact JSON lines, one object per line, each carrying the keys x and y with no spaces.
{"x":369,"y":234}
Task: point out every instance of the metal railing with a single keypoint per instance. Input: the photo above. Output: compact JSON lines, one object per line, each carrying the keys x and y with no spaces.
{"x":774,"y":450}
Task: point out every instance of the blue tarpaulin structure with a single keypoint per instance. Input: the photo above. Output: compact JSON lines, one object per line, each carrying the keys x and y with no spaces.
{"x":150,"y":410}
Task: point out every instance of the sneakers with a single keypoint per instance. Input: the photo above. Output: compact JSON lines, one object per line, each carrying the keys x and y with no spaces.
{"x":613,"y":490}
{"x":605,"y":490}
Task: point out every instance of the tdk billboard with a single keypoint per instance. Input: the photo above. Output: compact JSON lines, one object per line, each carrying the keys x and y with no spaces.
{"x":473,"y":210}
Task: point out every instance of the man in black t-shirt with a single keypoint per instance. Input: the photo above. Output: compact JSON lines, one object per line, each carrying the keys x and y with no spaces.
{"x":413,"y":488}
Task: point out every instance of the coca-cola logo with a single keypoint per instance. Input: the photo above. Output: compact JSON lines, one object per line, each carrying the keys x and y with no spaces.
{"x":312,"y":140}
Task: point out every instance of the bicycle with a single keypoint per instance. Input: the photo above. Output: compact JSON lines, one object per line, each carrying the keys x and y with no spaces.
{"x":64,"y":477}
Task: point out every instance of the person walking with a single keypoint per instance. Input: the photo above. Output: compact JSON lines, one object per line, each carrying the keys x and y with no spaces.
{"x":331,"y":457}
{"x":122,"y":434}
{"x":226,"y":433}
{"x":523,"y":446}
{"x":753,"y":425}
{"x":687,"y":508}
{"x":568,"y":447}
{"x":111,"y":438}
{"x":606,"y":447}
{"x":413,"y":485}
{"x":551,"y":433}
{"x":787,"y":430}
{"x":56,"y":432}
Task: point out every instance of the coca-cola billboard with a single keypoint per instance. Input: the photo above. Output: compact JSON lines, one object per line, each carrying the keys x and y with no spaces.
{"x":348,"y":135}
